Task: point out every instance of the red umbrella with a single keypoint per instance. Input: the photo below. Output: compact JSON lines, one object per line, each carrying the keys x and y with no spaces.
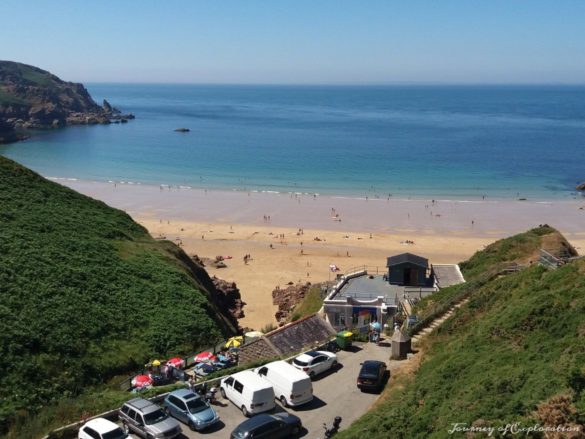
{"x":176,"y":362}
{"x":205,"y":357}
{"x":141,"y":381}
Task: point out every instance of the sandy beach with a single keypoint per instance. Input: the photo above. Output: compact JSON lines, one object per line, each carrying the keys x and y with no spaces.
{"x":296,"y":237}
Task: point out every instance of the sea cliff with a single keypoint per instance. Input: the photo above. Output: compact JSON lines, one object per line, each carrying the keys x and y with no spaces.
{"x":32,"y":98}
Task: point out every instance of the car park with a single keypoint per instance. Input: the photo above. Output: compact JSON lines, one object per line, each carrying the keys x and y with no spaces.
{"x":100,"y":428}
{"x":265,"y":426}
{"x":191,"y":409}
{"x":291,"y":386}
{"x":248,"y":392}
{"x":315,"y":362}
{"x":371,"y":375}
{"x":147,"y":420}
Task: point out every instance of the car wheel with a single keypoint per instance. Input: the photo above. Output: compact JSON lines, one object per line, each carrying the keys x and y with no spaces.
{"x":283,"y":401}
{"x":192,"y":425}
{"x":334,"y":364}
{"x":125,"y":428}
{"x":312,"y":374}
{"x":245,"y":411}
{"x":296,"y":430}
{"x":222,"y":393}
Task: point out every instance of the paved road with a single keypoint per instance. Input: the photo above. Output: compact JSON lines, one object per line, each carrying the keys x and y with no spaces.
{"x":336,"y":394}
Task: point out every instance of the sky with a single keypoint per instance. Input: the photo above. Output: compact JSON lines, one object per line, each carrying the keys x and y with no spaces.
{"x":299,"y":41}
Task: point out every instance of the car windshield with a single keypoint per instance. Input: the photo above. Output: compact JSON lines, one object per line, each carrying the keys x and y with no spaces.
{"x":196,"y":405}
{"x":300,"y":363}
{"x":239,"y":433}
{"x":155,"y":417}
{"x":115,"y":434}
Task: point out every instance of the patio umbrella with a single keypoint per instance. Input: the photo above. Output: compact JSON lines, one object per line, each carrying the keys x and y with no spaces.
{"x":376,"y":326}
{"x":141,"y":381}
{"x":156,"y":363}
{"x":176,"y":362}
{"x":204,"y":357}
{"x":234,"y":342}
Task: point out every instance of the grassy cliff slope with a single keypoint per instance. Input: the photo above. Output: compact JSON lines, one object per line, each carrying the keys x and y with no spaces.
{"x":87,"y":294}
{"x":515,"y":353}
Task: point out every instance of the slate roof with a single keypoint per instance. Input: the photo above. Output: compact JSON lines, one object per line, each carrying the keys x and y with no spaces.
{"x":259,"y":349}
{"x":407,"y":257}
{"x":305,"y":332}
{"x":287,"y":340}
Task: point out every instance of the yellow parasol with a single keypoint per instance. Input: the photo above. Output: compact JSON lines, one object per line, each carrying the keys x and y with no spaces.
{"x":234,"y":342}
{"x":156,"y":363}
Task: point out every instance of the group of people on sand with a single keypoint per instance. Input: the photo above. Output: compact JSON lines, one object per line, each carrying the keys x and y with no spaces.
{"x":407,"y":242}
{"x":247,"y":258}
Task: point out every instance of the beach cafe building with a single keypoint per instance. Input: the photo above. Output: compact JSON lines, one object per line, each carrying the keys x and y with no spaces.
{"x":359,"y":298}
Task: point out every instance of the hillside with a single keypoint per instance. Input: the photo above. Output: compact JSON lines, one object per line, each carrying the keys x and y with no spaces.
{"x":515,"y":353}
{"x":34,"y":98}
{"x":87,"y":294}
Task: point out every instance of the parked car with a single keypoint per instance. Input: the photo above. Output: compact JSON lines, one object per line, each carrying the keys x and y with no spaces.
{"x":100,"y":428}
{"x":147,"y":420}
{"x":291,"y":386}
{"x":248,"y":392}
{"x":315,"y":362}
{"x":278,"y":425}
{"x":372,"y":375}
{"x":190,"y":409}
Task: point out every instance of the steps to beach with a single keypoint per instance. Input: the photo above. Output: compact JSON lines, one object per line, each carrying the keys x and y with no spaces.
{"x":438,"y":321}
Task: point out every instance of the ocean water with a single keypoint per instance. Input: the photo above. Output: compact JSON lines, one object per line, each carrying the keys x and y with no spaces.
{"x":408,"y":141}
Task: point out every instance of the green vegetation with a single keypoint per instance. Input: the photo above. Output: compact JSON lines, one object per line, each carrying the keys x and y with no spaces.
{"x":311,"y":303}
{"x":9,"y":99}
{"x":515,"y":353}
{"x":487,"y":264}
{"x":87,"y":295}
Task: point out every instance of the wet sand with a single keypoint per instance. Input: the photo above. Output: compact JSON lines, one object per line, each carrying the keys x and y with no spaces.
{"x":351,"y":231}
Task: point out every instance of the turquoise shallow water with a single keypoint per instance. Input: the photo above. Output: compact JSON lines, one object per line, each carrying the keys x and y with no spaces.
{"x":419,"y":141}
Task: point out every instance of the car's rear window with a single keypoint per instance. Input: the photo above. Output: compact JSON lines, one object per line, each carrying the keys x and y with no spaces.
{"x":300,"y":363}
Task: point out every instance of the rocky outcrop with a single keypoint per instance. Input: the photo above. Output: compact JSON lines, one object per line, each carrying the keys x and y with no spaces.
{"x":228,"y":297}
{"x":287,"y":298}
{"x":581,"y":187}
{"x":34,"y":98}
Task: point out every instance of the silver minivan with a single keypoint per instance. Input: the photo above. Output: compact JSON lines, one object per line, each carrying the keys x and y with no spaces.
{"x":148,"y":420}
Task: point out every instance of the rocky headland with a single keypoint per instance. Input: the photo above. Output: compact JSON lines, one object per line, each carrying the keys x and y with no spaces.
{"x":32,"y":98}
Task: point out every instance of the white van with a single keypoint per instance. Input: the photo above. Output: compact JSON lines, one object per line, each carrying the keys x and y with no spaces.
{"x":248,"y":392}
{"x":291,"y":386}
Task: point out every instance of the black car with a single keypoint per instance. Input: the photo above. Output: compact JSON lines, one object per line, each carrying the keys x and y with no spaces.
{"x":372,"y":375}
{"x":279,"y":425}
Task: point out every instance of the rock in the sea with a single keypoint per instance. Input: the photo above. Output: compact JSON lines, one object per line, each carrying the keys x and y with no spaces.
{"x":182,"y":130}
{"x":581,"y":187}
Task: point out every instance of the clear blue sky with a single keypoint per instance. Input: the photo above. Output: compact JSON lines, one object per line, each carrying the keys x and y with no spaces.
{"x":277,"y":41}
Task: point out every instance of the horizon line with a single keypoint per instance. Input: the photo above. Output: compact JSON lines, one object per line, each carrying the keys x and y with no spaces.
{"x":348,"y":84}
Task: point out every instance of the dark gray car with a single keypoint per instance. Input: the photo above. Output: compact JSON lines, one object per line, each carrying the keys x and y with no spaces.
{"x":265,"y":426}
{"x":148,"y":420}
{"x":191,"y":409}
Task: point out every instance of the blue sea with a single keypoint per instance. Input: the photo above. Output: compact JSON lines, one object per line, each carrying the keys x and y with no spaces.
{"x":408,"y":141}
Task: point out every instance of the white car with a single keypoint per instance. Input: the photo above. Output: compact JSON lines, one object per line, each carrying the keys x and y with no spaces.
{"x":315,"y":362}
{"x":100,"y":428}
